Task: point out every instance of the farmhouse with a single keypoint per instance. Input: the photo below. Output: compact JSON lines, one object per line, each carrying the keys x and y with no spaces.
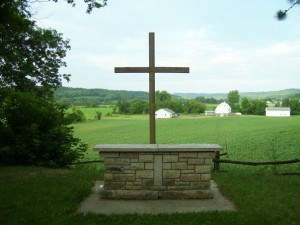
{"x":278,"y":111}
{"x":223,"y":109}
{"x":164,"y":113}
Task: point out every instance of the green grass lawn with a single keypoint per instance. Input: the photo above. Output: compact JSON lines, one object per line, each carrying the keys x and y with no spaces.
{"x":30,"y":195}
{"x":34,"y":196}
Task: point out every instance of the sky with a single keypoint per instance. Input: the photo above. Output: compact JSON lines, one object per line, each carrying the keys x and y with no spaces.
{"x":228,"y":45}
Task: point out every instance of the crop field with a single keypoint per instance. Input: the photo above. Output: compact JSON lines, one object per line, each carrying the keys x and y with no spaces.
{"x":244,"y":138}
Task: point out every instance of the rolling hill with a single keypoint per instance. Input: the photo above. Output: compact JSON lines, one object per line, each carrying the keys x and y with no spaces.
{"x":83,"y":96}
{"x":277,"y":95}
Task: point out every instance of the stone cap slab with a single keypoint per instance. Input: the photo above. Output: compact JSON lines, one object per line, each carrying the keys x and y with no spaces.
{"x":126,"y":148}
{"x":157,"y":148}
{"x":189,"y":147}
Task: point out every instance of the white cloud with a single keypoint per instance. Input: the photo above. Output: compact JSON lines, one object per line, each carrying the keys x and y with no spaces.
{"x":221,"y":57}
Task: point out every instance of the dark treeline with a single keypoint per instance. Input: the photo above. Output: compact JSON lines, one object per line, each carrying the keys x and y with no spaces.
{"x":166,"y":100}
{"x":95,"y":97}
{"x":257,"y":106}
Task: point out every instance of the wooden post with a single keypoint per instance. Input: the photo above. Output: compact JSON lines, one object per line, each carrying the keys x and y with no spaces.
{"x":152,"y":88}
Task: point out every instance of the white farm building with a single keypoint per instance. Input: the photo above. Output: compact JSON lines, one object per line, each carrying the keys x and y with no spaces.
{"x":164,"y":113}
{"x":223,"y":109}
{"x":278,"y":111}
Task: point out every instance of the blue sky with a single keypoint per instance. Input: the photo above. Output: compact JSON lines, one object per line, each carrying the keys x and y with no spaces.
{"x":228,"y":45}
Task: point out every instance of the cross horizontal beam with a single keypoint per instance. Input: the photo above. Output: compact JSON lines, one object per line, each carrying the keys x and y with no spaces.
{"x":148,"y":70}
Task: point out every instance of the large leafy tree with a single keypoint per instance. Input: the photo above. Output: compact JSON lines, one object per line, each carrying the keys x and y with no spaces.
{"x":33,"y":129}
{"x":233,"y":98}
{"x":30,"y":57}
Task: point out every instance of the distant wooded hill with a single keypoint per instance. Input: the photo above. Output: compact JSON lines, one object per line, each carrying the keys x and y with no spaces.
{"x":95,"y":97}
{"x":275,"y":95}
{"x":91,"y":97}
{"x":82,"y":96}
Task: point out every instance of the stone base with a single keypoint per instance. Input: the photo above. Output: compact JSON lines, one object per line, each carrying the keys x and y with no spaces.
{"x":94,"y":204}
{"x":152,"y":195}
{"x":163,"y":171}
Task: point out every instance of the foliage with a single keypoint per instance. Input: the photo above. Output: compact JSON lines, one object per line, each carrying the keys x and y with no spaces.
{"x":91,"y":4}
{"x":164,"y":100}
{"x":138,"y":106}
{"x":233,"y":98}
{"x":209,"y":100}
{"x":194,"y":106}
{"x":220,"y":97}
{"x":99,"y":115}
{"x":162,"y":96}
{"x":293,"y":103}
{"x":123,"y":106}
{"x":246,"y":106}
{"x":34,"y":132}
{"x":30,"y":57}
{"x":253,"y":107}
{"x":282,"y":14}
{"x":33,"y":128}
{"x":176,"y":105}
{"x":258,"y":107}
{"x":95,"y":97}
{"x":75,"y":116}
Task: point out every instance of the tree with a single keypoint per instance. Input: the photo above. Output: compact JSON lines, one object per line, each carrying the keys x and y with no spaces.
{"x":258,"y":107}
{"x":75,"y":116}
{"x":34,"y":131}
{"x":233,"y":98}
{"x":162,"y":96}
{"x":286,"y":102}
{"x":293,"y":103}
{"x":98,"y":115}
{"x":33,"y":127}
{"x":138,"y":106}
{"x":282,"y":14}
{"x":194,"y":106}
{"x":246,"y":106}
{"x":124,"y":107}
{"x":91,"y":4}
{"x":175,"y":104}
{"x":30,"y":57}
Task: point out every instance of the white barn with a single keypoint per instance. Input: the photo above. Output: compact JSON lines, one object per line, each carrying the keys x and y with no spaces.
{"x":164,"y":113}
{"x":223,"y":109}
{"x":278,"y":111}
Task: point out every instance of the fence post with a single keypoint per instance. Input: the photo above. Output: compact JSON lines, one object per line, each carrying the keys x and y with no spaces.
{"x":217,"y":164}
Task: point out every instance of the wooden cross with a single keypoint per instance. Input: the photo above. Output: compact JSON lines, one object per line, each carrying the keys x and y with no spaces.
{"x":152,"y":70}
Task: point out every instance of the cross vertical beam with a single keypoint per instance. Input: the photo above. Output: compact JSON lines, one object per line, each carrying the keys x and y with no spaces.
{"x":152,"y":87}
{"x":151,"y":70}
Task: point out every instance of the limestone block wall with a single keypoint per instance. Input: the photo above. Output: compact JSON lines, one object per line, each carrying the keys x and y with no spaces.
{"x":157,"y":171}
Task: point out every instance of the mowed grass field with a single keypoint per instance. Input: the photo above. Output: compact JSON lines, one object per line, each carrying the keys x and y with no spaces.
{"x":245,"y":138}
{"x":90,"y":113}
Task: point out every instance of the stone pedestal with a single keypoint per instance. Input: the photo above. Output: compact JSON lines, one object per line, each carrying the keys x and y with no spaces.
{"x":157,"y":171}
